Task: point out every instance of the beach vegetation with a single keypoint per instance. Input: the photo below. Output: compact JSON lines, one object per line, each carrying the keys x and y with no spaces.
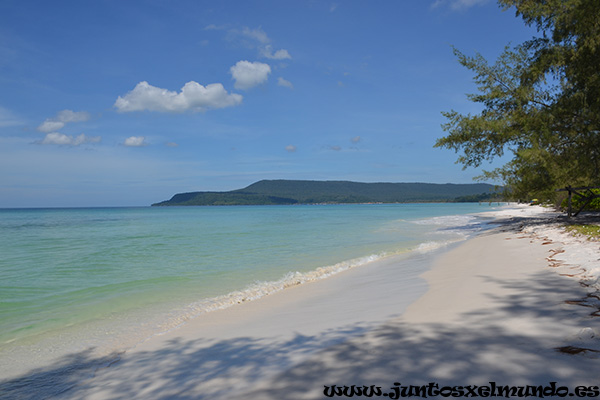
{"x":540,"y":103}
{"x":577,"y":201}
{"x":592,"y":232}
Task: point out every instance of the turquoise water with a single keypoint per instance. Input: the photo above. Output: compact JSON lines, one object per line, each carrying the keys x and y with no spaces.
{"x":110,"y":277}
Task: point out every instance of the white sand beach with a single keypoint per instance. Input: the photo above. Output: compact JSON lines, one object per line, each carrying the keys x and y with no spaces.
{"x":496,"y":308}
{"x":505,"y":307}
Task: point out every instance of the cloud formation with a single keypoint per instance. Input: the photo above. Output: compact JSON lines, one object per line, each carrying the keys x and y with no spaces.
{"x":67,"y":140}
{"x":135,"y":141}
{"x":458,"y":4}
{"x":355,"y":139}
{"x":264,"y":44}
{"x":281,"y":54}
{"x":284,"y":83}
{"x":249,"y":74}
{"x":257,"y":34}
{"x":61,"y":119}
{"x":290,"y":148}
{"x":254,"y":39}
{"x":192,"y":97}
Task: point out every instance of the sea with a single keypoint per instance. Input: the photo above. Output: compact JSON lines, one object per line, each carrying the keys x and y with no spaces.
{"x":101,"y":280}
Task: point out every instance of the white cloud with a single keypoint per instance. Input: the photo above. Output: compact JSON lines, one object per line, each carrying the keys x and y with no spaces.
{"x":67,"y":140}
{"x":335,"y":148}
{"x":266,"y":50}
{"x":281,"y":54}
{"x":135,"y":141}
{"x":72,"y":116}
{"x":249,"y":74}
{"x":458,"y":4}
{"x":50,"y":126}
{"x":192,"y":97}
{"x":290,"y":148}
{"x":284,"y":83}
{"x":257,"y":34}
{"x":57,"y":138}
{"x":61,"y":119}
{"x":355,"y":139}
{"x":171,"y":144}
{"x":213,"y":27}
{"x":254,"y":38}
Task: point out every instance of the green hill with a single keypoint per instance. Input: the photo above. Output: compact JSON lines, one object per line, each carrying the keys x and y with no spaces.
{"x":271,"y":192}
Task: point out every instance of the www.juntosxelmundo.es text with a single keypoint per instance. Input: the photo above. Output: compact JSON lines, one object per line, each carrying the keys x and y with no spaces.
{"x":432,"y":390}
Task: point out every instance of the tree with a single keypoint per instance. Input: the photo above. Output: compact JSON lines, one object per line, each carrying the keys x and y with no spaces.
{"x":540,"y":100}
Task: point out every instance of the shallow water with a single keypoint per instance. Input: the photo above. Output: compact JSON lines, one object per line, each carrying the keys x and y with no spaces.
{"x":107,"y":278}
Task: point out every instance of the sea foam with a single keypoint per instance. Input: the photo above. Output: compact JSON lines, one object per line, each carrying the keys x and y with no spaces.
{"x":261,"y":289}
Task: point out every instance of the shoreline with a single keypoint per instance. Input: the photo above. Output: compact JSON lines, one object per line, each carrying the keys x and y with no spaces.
{"x":471,"y":319}
{"x":514,"y":319}
{"x":331,"y":310}
{"x":97,"y":360}
{"x":260,"y":261}
{"x":236,"y":346}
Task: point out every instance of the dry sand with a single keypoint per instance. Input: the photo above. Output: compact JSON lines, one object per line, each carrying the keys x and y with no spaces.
{"x":496,"y":309}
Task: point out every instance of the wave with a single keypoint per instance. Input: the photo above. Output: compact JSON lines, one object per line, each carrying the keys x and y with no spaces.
{"x":427,"y":247}
{"x":449,"y":220}
{"x":462,"y":226}
{"x":261,"y":289}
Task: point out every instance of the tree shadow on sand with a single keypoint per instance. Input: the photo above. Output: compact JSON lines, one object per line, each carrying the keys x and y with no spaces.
{"x":195,"y":369}
{"x":480,"y":351}
{"x":484,"y":349}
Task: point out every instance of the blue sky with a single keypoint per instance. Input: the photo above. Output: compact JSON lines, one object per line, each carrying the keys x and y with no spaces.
{"x":124,"y":103}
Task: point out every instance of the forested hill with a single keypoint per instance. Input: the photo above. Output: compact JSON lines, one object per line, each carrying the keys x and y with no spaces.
{"x":270,"y":192}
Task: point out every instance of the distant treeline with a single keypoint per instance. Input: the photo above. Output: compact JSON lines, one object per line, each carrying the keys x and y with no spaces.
{"x":275,"y":192}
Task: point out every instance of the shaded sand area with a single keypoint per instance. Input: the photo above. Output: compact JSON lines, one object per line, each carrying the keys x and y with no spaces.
{"x":515,"y":305}
{"x":509,"y":306}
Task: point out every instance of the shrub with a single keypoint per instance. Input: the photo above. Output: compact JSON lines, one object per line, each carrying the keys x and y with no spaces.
{"x":578,"y":201}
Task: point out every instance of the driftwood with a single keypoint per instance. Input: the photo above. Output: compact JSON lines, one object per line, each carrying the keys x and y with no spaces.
{"x":589,"y":196}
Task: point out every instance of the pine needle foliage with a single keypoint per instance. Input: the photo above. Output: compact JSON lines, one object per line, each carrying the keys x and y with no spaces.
{"x":540,"y":102}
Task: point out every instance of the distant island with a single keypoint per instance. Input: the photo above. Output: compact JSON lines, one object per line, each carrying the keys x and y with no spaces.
{"x":286,"y":192}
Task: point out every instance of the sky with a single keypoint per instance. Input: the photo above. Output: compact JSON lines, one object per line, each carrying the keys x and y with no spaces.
{"x":125,"y":103}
